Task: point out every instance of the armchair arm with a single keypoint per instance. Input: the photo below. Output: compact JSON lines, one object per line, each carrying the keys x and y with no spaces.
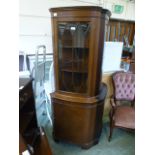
{"x":112,"y":102}
{"x":113,"y":105}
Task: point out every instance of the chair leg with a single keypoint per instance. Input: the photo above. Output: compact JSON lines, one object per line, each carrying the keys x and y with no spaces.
{"x":110,"y":135}
{"x":111,"y":127}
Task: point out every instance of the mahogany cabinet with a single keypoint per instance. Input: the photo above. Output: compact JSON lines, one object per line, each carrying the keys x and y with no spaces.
{"x":78,"y":100}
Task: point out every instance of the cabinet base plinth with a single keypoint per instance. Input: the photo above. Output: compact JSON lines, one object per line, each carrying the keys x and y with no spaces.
{"x":87,"y":146}
{"x":78,"y":123}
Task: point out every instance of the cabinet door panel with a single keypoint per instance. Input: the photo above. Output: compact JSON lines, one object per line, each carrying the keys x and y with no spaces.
{"x":73,"y":54}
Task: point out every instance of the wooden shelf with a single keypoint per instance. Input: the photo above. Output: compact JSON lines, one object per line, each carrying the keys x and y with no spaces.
{"x":74,"y":62}
{"x":72,"y":47}
{"x":73,"y":70}
{"x":74,"y":66}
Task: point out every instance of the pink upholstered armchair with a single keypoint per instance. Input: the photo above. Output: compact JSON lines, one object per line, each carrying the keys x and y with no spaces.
{"x":122,"y":116}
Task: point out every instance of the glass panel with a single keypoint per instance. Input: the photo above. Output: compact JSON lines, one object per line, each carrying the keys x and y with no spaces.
{"x":73,"y":52}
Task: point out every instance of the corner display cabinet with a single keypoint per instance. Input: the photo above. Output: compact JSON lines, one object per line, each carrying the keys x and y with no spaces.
{"x":78,"y":100}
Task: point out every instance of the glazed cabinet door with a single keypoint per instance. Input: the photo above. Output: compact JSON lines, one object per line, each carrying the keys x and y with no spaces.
{"x":72,"y":55}
{"x":77,"y":60}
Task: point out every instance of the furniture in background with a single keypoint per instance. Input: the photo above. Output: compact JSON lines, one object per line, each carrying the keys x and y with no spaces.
{"x":78,"y":99}
{"x":23,"y":61}
{"x":24,"y":65}
{"x":122,"y":116}
{"x":39,"y":66}
{"x":127,"y":58}
{"x":132,"y":62}
{"x":112,"y":53}
{"x":38,"y":73}
{"x":122,"y":31}
{"x":30,"y":134}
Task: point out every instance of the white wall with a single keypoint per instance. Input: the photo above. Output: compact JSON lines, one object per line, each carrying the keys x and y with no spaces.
{"x":35,"y":23}
{"x":112,"y":53}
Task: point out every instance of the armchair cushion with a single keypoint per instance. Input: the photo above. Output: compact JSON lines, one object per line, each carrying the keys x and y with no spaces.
{"x":124,"y":117}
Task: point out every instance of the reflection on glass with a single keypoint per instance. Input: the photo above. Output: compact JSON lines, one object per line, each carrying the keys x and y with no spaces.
{"x":73,"y":43}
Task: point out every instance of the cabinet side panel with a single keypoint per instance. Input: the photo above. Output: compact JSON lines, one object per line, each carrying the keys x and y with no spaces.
{"x":100,"y":56}
{"x":55,"y":51}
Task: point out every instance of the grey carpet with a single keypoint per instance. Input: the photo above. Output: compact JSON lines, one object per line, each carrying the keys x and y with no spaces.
{"x":122,"y":143}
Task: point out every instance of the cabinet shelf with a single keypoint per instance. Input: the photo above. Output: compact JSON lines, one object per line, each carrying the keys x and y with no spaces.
{"x":73,"y":70}
{"x":75,"y":66}
{"x":74,"y":47}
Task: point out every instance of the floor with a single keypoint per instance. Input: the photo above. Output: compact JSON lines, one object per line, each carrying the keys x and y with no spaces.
{"x":122,"y":143}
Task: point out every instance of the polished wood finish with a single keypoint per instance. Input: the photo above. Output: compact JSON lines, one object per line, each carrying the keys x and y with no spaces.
{"x":78,"y":40}
{"x":79,"y":121}
{"x":96,"y":19}
{"x":31,"y":137}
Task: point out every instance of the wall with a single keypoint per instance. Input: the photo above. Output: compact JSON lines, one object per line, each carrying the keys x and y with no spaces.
{"x":35,"y":24}
{"x":107,"y":79}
